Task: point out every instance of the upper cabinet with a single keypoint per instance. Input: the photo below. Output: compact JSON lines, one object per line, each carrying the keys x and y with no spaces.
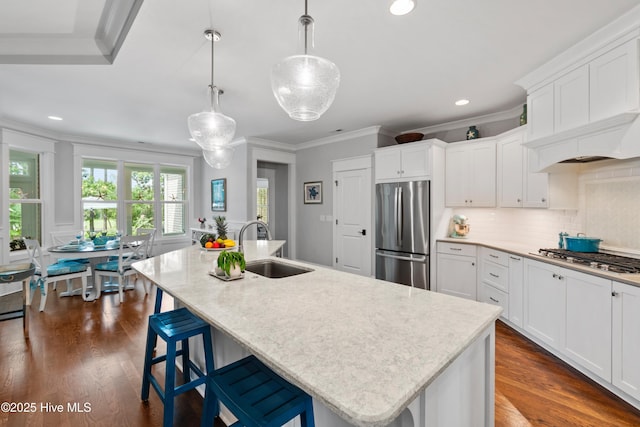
{"x":585,"y":101}
{"x":518,"y":187}
{"x":601,"y":89}
{"x":470,"y":174}
{"x":403,"y":162}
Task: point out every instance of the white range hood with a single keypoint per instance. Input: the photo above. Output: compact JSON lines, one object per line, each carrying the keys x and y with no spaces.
{"x":617,"y":137}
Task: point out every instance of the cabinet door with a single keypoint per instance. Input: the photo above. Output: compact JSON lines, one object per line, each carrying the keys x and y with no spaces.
{"x":516,"y":290}
{"x":415,"y":162}
{"x":387,"y":163}
{"x":510,"y":172}
{"x":614,"y":82}
{"x":626,"y":339}
{"x":482,"y":183}
{"x":571,"y":94}
{"x":544,"y":308}
{"x":540,"y":112}
{"x":588,"y":319}
{"x":456,"y":275}
{"x":456,"y":176}
{"x":491,"y":295}
{"x":536,"y":184}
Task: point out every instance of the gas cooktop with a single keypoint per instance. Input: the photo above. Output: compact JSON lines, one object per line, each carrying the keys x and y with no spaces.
{"x":597,"y":260}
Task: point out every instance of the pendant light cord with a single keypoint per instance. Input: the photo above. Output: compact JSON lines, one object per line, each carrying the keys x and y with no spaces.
{"x":306,"y":20}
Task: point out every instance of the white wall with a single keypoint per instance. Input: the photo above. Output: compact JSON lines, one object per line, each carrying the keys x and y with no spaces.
{"x":315,"y":237}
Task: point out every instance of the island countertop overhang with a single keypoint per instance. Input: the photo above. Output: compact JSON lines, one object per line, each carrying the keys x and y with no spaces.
{"x":364,"y":347}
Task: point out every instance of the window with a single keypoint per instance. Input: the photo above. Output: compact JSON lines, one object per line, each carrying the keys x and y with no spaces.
{"x":100,"y":196}
{"x":262,"y":199}
{"x":147,"y":196}
{"x":173,"y":203}
{"x":25,"y":204}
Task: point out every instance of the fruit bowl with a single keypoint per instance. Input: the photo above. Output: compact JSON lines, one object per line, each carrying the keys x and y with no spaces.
{"x":216,"y":249}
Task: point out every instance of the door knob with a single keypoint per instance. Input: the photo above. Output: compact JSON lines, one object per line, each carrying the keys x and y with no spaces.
{"x":363,"y":232}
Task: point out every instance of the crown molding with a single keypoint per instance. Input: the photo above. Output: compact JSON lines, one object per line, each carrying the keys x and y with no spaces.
{"x":371,"y":130}
{"x":477,"y":120}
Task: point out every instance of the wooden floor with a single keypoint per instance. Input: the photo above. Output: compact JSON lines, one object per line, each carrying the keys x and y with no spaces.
{"x":91,"y":354}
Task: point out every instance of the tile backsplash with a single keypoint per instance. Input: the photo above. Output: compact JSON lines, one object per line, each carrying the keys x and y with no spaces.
{"x":609,"y":195}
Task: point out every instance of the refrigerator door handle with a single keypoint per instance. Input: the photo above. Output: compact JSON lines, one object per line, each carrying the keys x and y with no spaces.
{"x":399,"y":214}
{"x":421,"y":258}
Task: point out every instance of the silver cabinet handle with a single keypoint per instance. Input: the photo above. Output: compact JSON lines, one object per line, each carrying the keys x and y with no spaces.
{"x":494,"y":256}
{"x":544,"y":200}
{"x":515,"y":258}
{"x":494,"y":300}
{"x":518,"y":200}
{"x":455,"y":249}
{"x":494,"y":275}
{"x":614,"y":294}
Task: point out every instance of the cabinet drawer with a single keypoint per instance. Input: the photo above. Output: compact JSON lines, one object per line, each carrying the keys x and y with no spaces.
{"x":456,"y":249}
{"x":493,"y":255}
{"x":495,"y":275}
{"x":491,"y":295}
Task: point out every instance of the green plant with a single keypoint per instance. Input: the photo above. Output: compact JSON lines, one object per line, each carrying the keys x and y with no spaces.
{"x":221,"y":227}
{"x":227,"y":260}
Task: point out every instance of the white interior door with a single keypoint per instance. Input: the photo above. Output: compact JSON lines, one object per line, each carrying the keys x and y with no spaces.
{"x":352,"y":221}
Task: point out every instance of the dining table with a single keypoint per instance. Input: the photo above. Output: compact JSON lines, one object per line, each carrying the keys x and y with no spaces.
{"x":84,"y":249}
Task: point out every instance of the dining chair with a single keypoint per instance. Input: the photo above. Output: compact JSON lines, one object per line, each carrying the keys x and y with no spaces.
{"x":152,"y":239}
{"x":62,"y":238}
{"x":55,"y":272}
{"x":132,"y":249}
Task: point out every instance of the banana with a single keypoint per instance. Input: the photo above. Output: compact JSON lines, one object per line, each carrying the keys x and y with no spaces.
{"x":229,"y":243}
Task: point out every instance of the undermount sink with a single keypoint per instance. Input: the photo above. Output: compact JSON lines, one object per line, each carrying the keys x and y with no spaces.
{"x":273,"y":269}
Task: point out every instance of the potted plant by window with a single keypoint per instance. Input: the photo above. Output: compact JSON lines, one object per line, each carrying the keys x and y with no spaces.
{"x":232,"y":264}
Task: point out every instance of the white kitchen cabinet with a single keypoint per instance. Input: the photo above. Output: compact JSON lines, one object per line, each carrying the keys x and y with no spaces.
{"x":597,"y":89}
{"x":517,"y":185}
{"x":470,"y":174}
{"x":626,"y":339}
{"x":403,"y":162}
{"x":613,"y":79}
{"x":540,"y":112}
{"x":545,"y":299}
{"x":516,"y":290}
{"x":456,"y":270}
{"x":494,"y":279}
{"x":571,"y":100}
{"x":588,"y":321}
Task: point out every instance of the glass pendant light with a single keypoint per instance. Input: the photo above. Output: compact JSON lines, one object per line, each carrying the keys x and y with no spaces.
{"x":219,"y":157}
{"x":212,"y":129}
{"x":305,"y":85}
{"x":402,"y":7}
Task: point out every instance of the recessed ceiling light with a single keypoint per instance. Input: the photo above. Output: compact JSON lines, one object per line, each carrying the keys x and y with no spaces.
{"x":402,"y":7}
{"x":54,"y":118}
{"x":192,"y":140}
{"x":460,"y":102}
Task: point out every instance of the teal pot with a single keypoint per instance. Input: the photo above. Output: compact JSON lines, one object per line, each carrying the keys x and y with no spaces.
{"x":582,"y":244}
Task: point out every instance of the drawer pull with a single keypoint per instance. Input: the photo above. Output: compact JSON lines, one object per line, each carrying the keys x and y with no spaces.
{"x":494,"y":275}
{"x":494,"y":300}
{"x":515,"y":258}
{"x":456,"y":249}
{"x":494,"y":256}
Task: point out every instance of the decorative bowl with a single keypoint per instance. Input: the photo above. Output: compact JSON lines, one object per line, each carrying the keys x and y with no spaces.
{"x":409,"y":137}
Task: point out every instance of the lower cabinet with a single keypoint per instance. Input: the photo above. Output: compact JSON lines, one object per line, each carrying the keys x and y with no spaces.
{"x":588,"y":322}
{"x":626,"y":339}
{"x":545,"y":299}
{"x":456,"y":270}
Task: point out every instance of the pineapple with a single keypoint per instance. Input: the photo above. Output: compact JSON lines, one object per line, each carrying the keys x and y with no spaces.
{"x":221,"y":227}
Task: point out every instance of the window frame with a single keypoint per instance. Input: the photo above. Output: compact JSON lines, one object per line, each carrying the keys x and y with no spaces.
{"x":154,"y":160}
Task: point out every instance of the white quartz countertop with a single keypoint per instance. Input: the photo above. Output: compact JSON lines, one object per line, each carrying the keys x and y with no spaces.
{"x":530,"y":252}
{"x":364,"y":347}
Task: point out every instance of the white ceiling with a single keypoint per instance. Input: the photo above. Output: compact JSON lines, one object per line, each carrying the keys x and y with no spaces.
{"x":398,"y":72}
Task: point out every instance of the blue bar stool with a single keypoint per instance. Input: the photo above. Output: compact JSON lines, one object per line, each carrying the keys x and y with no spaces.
{"x":174,"y":326}
{"x":256,"y":395}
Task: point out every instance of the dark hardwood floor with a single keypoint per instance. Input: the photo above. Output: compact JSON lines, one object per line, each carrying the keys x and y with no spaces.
{"x":91,"y":353}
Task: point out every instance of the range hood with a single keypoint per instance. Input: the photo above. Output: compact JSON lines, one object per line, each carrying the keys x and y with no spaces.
{"x":616,"y":137}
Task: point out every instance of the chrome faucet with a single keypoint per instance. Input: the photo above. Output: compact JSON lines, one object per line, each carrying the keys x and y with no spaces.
{"x":244,"y":227}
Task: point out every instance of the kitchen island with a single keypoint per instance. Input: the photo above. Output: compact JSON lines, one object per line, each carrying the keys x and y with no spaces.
{"x":369,"y":352}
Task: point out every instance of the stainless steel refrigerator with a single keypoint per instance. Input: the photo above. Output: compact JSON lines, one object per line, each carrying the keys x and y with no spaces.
{"x":402,"y":233}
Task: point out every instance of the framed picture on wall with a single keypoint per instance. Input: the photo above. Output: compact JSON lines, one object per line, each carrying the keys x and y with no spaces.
{"x":313,"y":192}
{"x":219,"y":195}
